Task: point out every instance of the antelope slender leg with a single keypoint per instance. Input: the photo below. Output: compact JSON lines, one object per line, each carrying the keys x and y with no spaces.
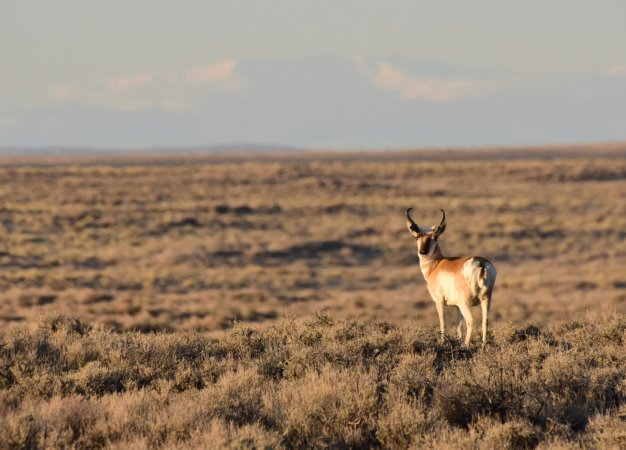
{"x":459,"y":323}
{"x":442,"y":320}
{"x":485,"y":305}
{"x":469,"y":322}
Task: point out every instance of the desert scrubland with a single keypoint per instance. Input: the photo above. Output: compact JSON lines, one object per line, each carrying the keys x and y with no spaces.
{"x":270,"y":301}
{"x":199,"y":244}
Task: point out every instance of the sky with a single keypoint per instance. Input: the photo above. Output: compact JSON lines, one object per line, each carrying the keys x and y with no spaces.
{"x":313,"y":74}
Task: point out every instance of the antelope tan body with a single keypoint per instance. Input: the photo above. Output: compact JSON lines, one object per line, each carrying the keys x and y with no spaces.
{"x":460,"y":282}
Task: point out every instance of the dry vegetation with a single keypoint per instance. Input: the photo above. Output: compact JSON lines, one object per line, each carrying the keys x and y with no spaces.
{"x":197,"y":244}
{"x":313,"y":384}
{"x":198,"y":249}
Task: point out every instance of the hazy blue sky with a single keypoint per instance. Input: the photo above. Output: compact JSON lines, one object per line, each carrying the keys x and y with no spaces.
{"x":332,"y":74}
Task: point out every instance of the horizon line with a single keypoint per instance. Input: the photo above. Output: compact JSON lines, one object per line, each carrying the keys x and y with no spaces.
{"x":252,"y":147}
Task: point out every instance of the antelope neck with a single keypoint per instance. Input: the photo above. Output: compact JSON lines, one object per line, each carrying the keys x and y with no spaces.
{"x":429,"y":263}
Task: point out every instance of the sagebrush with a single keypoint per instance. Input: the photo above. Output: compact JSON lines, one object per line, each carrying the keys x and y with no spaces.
{"x":315,"y":383}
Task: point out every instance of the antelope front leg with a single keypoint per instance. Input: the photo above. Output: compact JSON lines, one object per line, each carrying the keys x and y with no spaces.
{"x":459,"y":323}
{"x":469,"y":322}
{"x":442,"y":321}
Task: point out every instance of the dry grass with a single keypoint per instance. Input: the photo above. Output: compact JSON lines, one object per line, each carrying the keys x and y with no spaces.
{"x":97,"y":256}
{"x":312,"y":384}
{"x":199,"y":244}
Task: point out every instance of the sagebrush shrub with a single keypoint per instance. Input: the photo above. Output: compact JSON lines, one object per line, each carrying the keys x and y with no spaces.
{"x":319,"y":383}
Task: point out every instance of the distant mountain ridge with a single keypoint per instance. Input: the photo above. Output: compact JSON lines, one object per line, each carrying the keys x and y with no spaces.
{"x":79,"y":151}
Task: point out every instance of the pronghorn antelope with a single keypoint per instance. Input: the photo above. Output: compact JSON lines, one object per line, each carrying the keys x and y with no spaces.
{"x":463,"y":281}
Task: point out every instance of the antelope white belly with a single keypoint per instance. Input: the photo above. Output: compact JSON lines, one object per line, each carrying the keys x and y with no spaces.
{"x":452,"y":288}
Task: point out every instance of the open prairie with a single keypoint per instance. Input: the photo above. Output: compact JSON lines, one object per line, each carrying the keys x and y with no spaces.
{"x":199,"y":242}
{"x":276,"y":301}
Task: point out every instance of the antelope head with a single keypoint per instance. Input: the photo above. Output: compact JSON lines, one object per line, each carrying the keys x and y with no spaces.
{"x":426,"y":238}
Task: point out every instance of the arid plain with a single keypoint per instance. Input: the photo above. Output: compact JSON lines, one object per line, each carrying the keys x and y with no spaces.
{"x":199,"y":242}
{"x":275,"y":301}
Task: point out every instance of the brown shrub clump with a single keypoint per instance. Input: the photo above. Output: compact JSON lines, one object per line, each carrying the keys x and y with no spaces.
{"x":316,"y":383}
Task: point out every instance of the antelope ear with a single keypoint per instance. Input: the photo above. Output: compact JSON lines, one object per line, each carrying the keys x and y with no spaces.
{"x":413,"y":228}
{"x":439,"y":229}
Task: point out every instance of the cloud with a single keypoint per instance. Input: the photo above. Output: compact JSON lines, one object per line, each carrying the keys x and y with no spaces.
{"x":170,"y":90}
{"x":618,"y":70}
{"x":391,"y":78}
{"x":210,"y":73}
{"x":60,"y":92}
{"x":133,"y":81}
